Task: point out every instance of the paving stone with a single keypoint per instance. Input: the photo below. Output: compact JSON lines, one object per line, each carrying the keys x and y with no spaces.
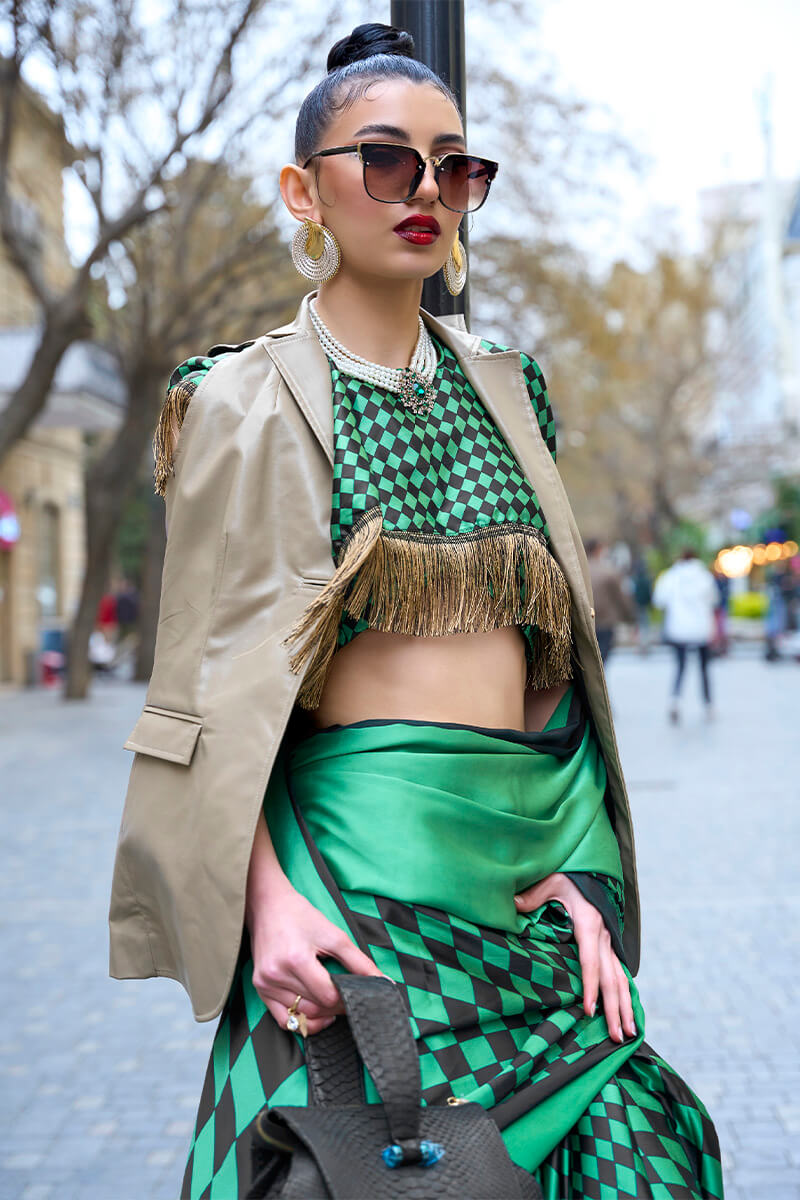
{"x":113,"y":1070}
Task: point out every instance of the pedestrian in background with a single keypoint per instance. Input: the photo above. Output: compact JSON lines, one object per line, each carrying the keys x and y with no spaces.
{"x":780,"y":596}
{"x":721,"y":641}
{"x":612,"y":604}
{"x":127,"y":598}
{"x":642,"y":598}
{"x":106,"y":618}
{"x":688,"y":595}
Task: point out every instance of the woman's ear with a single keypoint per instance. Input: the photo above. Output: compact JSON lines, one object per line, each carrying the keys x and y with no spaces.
{"x":298,"y":192}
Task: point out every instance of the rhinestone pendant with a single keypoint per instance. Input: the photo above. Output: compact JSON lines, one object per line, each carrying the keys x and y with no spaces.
{"x":416,"y":394}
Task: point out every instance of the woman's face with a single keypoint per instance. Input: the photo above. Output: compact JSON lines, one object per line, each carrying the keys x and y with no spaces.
{"x":418,"y":115}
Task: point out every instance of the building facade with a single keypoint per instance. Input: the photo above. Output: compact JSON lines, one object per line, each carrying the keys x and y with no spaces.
{"x":42,"y":526}
{"x":754,"y":429}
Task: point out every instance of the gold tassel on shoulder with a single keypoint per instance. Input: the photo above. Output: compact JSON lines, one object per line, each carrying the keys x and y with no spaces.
{"x":169,"y":425}
{"x":430,"y":585}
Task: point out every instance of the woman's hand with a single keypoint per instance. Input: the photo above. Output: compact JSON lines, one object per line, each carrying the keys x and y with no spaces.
{"x":600,"y":967}
{"x":287,"y":938}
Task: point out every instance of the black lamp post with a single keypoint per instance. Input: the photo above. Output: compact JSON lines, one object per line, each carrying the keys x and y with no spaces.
{"x":437,"y":27}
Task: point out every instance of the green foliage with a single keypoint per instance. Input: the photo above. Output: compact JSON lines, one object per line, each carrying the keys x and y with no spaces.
{"x":748,"y":604}
{"x":785,"y":512}
{"x":678,"y":537}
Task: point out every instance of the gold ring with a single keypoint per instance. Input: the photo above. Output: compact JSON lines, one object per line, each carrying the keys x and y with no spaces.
{"x":296,"y":1022}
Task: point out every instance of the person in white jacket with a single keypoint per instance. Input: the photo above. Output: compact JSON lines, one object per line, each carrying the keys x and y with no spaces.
{"x":687,"y":594}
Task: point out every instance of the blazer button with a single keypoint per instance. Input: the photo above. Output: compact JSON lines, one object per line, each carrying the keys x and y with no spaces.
{"x":591,"y":612}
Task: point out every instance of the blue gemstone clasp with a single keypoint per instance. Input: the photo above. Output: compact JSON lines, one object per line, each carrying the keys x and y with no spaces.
{"x":428,"y":1155}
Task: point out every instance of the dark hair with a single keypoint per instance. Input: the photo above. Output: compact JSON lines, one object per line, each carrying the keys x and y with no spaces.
{"x":369,"y":53}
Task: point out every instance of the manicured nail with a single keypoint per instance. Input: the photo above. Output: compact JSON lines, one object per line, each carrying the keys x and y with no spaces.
{"x":594,"y":1008}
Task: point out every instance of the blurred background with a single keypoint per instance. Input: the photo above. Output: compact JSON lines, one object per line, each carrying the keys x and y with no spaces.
{"x":642,"y":241}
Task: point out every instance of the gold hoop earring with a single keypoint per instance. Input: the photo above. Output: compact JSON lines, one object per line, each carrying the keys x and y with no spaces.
{"x":455,"y":269}
{"x":315,"y":252}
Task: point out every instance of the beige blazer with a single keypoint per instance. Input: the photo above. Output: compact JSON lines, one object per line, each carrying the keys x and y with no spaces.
{"x":248,"y":512}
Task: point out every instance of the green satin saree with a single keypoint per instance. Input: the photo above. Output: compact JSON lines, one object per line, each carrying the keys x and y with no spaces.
{"x":428,"y":831}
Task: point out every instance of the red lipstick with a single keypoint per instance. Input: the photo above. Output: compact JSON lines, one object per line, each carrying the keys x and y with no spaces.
{"x":419,"y":229}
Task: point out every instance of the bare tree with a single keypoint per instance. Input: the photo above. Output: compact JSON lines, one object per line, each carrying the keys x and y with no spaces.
{"x":133,"y":110}
{"x":210,"y":267}
{"x":636,"y":375}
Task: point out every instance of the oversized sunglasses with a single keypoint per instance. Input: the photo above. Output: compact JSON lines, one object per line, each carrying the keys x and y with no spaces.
{"x":393,"y":173}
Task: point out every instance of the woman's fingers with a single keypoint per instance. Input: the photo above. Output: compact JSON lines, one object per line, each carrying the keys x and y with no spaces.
{"x":625,"y":1003}
{"x":287,"y":999}
{"x":296,"y":975}
{"x":299,"y":972}
{"x":589,"y":954}
{"x":532,"y":897}
{"x":280,"y":1013}
{"x":348,"y":954}
{"x":609,"y":987}
{"x":601,"y":970}
{"x":603,"y":975}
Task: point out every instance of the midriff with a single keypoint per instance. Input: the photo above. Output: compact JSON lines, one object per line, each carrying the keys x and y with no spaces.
{"x":465,"y":678}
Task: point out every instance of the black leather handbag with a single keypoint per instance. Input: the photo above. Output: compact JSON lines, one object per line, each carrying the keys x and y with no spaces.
{"x":341,"y":1148}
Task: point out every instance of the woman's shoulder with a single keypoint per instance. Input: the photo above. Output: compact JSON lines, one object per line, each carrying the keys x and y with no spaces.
{"x":189,"y":373}
{"x":181,"y":387}
{"x":537,"y":390}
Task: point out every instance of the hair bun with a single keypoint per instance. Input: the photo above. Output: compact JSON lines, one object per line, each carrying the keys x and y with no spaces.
{"x":369,"y":39}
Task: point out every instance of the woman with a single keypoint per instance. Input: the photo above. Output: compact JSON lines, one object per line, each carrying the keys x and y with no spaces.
{"x":430,"y":720}
{"x":687,"y":594}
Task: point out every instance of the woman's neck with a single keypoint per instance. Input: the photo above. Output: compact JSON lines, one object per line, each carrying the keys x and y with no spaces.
{"x":379,"y":322}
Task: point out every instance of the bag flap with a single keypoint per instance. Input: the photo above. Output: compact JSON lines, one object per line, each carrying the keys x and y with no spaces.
{"x":346,"y":1144}
{"x":164,"y":733}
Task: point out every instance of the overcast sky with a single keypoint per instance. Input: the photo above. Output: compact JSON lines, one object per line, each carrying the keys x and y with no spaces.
{"x":684,"y":78}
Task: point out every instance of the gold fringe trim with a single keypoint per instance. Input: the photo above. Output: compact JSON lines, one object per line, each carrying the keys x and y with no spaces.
{"x":319,"y":624}
{"x":430,"y":585}
{"x":169,"y":424}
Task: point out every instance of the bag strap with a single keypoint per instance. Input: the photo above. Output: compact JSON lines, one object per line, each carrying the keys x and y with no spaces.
{"x":381,"y":1029}
{"x":335,"y":1071}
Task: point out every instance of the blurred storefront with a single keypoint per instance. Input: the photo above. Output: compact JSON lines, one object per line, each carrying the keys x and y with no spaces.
{"x":41,"y":479}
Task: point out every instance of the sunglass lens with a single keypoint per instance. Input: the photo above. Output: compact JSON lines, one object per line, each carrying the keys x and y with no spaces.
{"x":464,"y":182}
{"x":388,"y":172}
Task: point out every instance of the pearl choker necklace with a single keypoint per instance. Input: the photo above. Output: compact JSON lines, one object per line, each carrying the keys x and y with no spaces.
{"x":413,"y":384}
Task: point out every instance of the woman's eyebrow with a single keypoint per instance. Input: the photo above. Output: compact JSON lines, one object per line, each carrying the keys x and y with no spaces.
{"x":394,"y":131}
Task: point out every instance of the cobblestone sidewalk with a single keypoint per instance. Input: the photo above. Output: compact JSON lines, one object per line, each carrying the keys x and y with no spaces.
{"x":99,"y":1080}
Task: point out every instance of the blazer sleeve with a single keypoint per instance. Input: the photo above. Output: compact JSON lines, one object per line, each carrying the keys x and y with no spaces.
{"x":183,"y":383}
{"x":537,"y":390}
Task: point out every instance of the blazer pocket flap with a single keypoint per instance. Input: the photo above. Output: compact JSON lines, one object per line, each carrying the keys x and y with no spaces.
{"x":164,"y":733}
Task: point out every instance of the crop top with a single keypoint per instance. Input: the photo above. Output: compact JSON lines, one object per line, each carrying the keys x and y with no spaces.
{"x":434,"y":527}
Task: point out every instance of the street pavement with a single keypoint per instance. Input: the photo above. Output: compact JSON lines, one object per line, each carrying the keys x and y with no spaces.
{"x":99,"y":1079}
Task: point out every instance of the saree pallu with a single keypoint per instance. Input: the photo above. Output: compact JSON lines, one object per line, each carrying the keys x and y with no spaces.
{"x":429,"y":829}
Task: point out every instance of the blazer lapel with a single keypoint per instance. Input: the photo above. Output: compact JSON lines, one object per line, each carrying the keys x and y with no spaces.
{"x":302,"y":362}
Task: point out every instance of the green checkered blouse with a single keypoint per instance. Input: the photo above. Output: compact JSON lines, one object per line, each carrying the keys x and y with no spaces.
{"x":450,"y":473}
